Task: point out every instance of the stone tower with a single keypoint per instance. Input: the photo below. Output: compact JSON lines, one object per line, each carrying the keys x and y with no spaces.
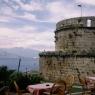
{"x":74,"y":48}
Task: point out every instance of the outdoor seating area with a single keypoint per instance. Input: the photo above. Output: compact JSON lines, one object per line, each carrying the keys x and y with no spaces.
{"x":64,"y":87}
{"x":34,"y":84}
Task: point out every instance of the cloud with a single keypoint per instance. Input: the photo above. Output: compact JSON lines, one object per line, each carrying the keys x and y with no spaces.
{"x":27,"y":37}
{"x":59,"y":10}
{"x":13,"y":16}
{"x":89,"y":2}
{"x":27,"y":16}
{"x":33,"y":33}
{"x":8,"y":13}
{"x":39,"y":40}
{"x":4,"y":19}
{"x":32,"y":6}
{"x":7,"y":37}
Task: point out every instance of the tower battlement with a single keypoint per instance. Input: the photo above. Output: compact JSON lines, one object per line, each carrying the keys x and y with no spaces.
{"x":75,"y":22}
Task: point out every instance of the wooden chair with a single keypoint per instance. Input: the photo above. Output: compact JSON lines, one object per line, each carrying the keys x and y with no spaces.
{"x":20,"y":92}
{"x":58,"y":88}
{"x":17,"y":88}
{"x":4,"y":90}
{"x":69,"y":80}
{"x":82,"y":80}
{"x":83,"y":83}
{"x":63,"y":86}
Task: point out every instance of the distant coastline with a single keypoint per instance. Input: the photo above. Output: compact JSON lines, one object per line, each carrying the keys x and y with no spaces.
{"x":27,"y":64}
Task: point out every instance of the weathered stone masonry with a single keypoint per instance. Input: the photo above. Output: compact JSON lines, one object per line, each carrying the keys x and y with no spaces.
{"x":74,"y":48}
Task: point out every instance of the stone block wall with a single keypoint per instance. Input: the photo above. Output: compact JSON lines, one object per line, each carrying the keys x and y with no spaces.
{"x":75,"y":37}
{"x":82,"y":39}
{"x":56,"y":65}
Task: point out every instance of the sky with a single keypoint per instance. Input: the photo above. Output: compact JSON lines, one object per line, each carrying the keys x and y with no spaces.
{"x":31,"y":23}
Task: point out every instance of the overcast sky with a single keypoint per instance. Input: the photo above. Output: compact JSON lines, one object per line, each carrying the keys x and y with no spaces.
{"x":31,"y":23}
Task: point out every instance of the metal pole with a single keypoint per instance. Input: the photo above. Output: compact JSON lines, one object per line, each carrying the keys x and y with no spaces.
{"x":80,"y":10}
{"x":19,"y":64}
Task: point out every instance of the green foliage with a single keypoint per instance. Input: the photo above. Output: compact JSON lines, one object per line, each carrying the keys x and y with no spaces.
{"x":7,"y":77}
{"x":4,"y":75}
{"x":21,"y":79}
{"x":36,"y":78}
{"x":24,"y":80}
{"x":15,"y":75}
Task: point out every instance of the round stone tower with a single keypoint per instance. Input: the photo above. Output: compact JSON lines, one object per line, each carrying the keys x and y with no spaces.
{"x":75,"y":35}
{"x":74,"y":49}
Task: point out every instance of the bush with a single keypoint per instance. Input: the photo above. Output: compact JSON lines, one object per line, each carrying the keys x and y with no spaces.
{"x":21,"y":79}
{"x":7,"y":78}
{"x":24,"y":80}
{"x":4,"y":75}
{"x":35,"y":78}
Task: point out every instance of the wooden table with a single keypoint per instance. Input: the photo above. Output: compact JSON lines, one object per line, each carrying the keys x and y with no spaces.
{"x":38,"y":89}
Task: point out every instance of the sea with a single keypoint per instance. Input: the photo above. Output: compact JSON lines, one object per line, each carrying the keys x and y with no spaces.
{"x":26,"y":64}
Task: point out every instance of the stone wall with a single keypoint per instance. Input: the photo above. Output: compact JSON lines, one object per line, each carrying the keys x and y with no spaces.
{"x":55,"y":65}
{"x":82,"y":39}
